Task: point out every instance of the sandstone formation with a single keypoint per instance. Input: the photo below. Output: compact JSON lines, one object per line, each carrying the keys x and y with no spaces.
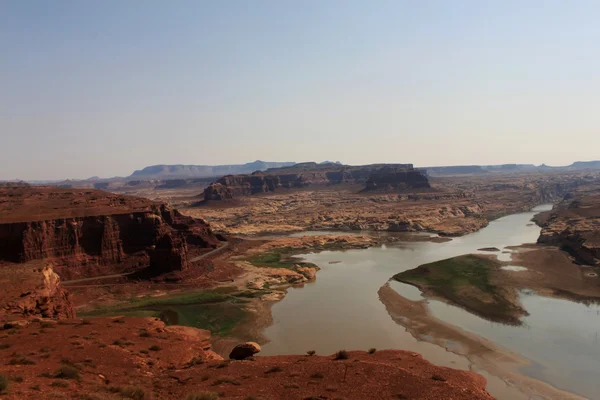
{"x":83,"y":229}
{"x":47,"y":300}
{"x":574,"y":226}
{"x":384,"y":177}
{"x":244,"y":350}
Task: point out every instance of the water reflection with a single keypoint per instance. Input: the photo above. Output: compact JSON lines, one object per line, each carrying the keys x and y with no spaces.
{"x":342,"y":309}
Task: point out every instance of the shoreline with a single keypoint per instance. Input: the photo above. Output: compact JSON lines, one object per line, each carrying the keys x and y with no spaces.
{"x":491,"y":358}
{"x":500,"y":365}
{"x":481,"y":352}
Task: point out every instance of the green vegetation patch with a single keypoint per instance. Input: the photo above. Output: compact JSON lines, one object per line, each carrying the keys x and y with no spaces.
{"x":466,"y":282}
{"x":278,"y":258}
{"x":219,"y":310}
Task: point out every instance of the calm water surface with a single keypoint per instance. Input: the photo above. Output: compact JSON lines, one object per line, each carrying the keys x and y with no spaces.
{"x":342,"y":310}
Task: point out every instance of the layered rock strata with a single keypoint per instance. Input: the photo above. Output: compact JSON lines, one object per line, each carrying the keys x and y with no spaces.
{"x":126,"y":238}
{"x":381,"y":177}
{"x":574,"y":226}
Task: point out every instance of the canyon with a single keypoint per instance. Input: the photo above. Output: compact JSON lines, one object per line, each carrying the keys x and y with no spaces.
{"x":80,"y":234}
{"x":67,"y":253}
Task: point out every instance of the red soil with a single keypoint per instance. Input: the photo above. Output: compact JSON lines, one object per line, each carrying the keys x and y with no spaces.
{"x":112,"y":355}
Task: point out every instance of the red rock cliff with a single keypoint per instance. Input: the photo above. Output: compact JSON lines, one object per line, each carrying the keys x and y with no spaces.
{"x":124,"y":239}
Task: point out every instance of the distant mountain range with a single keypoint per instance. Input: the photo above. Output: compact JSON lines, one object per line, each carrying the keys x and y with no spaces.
{"x":483,"y":169}
{"x":203,"y":171}
{"x":206,"y":172}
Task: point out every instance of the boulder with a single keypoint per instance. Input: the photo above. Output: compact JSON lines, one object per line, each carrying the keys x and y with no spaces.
{"x":244,"y":350}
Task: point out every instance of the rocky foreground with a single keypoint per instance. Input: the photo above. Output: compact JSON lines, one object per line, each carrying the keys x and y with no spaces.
{"x":140,"y":358}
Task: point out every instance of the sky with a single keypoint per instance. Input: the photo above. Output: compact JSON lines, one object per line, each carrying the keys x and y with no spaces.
{"x":101,"y":88}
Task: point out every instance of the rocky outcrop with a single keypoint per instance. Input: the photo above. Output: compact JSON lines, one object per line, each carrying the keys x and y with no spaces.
{"x":385,"y":177}
{"x":391,"y":178}
{"x":123,"y":240}
{"x":47,"y":300}
{"x":169,"y":254}
{"x":574,"y":226}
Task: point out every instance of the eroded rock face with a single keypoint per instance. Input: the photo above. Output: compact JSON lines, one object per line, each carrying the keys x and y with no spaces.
{"x":244,"y":350}
{"x":48,"y":300}
{"x":383,"y":177}
{"x":116,"y":242}
{"x":574,"y":226}
{"x":392,"y":178}
{"x":170,"y":254}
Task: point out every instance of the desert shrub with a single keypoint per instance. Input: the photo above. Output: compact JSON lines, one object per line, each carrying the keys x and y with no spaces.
{"x":202,"y":396}
{"x":59,"y":384}
{"x":372,"y":350}
{"x":273,"y":370}
{"x":291,"y":386}
{"x":317,"y":375}
{"x":145,"y":333}
{"x":154,"y":348}
{"x":341,"y":355}
{"x":134,"y":393}
{"x":311,"y":352}
{"x":67,"y":372}
{"x":4,"y":346}
{"x":221,"y":381}
{"x":20,"y":359}
{"x":17,"y":379}
{"x":438,"y":378}
{"x":3,"y":384}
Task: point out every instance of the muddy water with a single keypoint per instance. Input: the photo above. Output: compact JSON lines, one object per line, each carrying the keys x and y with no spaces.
{"x":342,"y":310}
{"x":560,"y":337}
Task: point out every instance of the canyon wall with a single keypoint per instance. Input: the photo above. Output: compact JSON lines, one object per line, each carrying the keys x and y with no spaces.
{"x":574,"y":226}
{"x":114,"y":242}
{"x":377,"y":177}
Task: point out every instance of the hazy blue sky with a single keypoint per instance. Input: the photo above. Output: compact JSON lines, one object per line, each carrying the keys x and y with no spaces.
{"x":106,"y":87}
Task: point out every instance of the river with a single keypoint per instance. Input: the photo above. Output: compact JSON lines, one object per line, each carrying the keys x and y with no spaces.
{"x":342,"y":310}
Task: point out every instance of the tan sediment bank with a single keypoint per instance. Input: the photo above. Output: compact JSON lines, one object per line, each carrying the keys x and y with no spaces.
{"x":484,"y":354}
